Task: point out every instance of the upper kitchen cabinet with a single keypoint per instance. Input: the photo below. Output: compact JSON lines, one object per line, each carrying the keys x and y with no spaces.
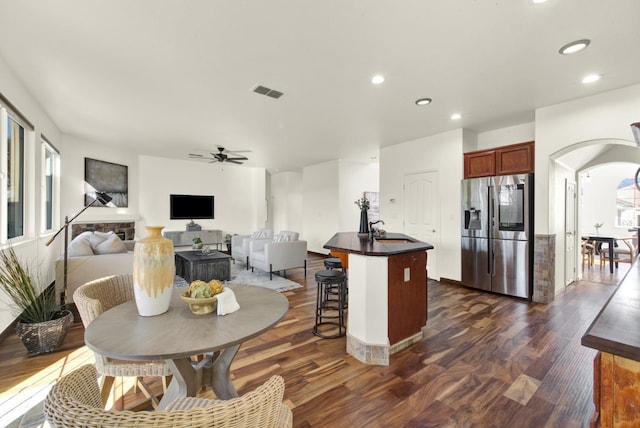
{"x":480,"y":164}
{"x":513,"y":159}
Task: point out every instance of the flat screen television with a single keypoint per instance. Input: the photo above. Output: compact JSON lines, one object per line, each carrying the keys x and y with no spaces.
{"x":190,"y":207}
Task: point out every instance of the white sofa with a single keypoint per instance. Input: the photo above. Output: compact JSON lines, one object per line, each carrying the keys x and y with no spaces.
{"x":82,"y":269}
{"x":284,"y":251}
{"x":240,"y":244}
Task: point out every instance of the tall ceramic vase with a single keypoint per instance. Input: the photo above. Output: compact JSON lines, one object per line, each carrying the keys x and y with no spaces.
{"x":364,"y":223}
{"x":153,"y":272}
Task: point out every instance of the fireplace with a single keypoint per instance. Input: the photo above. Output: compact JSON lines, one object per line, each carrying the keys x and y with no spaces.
{"x":125,"y":230}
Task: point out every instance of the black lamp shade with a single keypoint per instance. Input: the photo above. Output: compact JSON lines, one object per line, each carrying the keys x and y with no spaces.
{"x":103,"y":198}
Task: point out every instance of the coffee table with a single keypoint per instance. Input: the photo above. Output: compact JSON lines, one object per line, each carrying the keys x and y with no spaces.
{"x":192,"y":265}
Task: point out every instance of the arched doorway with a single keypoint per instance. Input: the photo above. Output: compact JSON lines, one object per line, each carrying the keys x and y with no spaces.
{"x":567,"y":166}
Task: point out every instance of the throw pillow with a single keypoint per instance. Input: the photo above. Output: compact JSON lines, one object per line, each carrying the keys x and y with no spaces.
{"x":278,"y":237}
{"x":80,"y":246}
{"x":111,"y":245}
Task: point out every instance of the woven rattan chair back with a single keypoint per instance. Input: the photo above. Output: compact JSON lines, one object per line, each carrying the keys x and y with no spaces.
{"x":75,"y":402}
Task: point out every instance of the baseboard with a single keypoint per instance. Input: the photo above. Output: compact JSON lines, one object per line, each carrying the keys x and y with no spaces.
{"x":9,"y":330}
{"x":319,"y":254}
{"x":450,"y":281}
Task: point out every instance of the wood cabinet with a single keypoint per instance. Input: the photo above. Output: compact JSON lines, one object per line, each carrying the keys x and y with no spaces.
{"x":407,"y":295}
{"x":513,"y":159}
{"x":183,"y":238}
{"x":616,"y":387}
{"x":480,"y":164}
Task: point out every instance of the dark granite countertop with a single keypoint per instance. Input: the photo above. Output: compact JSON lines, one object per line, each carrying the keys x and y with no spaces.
{"x":392,"y":243}
{"x":616,"y":329}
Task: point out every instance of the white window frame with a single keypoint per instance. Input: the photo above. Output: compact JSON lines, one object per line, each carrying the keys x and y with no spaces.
{"x":635,"y":209}
{"x":6,"y":111}
{"x":47,"y":147}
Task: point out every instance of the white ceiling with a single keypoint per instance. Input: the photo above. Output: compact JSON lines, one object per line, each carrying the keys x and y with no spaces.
{"x":173,"y":77}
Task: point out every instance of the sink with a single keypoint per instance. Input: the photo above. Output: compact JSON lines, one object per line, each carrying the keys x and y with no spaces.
{"x":394,"y":241}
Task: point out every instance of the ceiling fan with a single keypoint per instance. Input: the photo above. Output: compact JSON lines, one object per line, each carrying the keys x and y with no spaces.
{"x":223,"y":155}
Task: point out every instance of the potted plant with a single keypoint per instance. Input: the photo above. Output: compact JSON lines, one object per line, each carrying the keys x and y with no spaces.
{"x":197,"y":243}
{"x":363,"y":204}
{"x":41,"y":326}
{"x":597,"y":227}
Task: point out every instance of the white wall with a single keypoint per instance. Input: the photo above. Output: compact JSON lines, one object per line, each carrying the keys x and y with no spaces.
{"x":506,"y":136}
{"x":605,"y":116}
{"x":355,"y":178}
{"x":72,"y":182}
{"x":320,"y":213}
{"x":597,"y":199}
{"x":329,"y":192}
{"x":442,"y":153}
{"x":286,"y":202}
{"x":31,"y":249}
{"x":239,"y":194}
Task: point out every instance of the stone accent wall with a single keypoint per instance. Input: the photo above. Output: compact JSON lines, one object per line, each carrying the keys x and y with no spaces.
{"x":126,"y":229}
{"x":544,"y":287}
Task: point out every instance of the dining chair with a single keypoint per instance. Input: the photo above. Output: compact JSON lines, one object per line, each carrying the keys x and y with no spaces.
{"x":92,"y":299}
{"x":588,"y":252}
{"x":75,"y":401}
{"x":626,"y":253}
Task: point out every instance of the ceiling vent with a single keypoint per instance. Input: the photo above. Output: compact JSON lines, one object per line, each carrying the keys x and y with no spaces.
{"x":263,"y":90}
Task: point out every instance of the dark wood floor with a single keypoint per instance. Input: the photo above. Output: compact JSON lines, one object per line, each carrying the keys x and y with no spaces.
{"x":487,"y":360}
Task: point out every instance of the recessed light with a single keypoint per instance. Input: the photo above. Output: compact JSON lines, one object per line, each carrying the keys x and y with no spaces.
{"x":423,"y":101}
{"x":575,"y":46}
{"x":538,"y":1}
{"x":378,"y":79}
{"x":590,"y":78}
{"x":456,"y":116}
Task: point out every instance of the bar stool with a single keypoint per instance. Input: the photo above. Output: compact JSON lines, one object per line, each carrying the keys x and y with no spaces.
{"x":333,"y":263}
{"x":336,"y":263}
{"x":330,"y":312}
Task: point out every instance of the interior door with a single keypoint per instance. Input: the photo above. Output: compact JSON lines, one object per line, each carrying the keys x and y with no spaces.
{"x":570,"y":233}
{"x":421,"y":214}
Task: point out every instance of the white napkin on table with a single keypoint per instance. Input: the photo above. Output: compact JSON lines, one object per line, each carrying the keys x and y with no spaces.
{"x":227,"y":302}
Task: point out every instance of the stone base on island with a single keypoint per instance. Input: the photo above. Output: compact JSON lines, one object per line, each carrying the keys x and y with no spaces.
{"x":377,"y":355}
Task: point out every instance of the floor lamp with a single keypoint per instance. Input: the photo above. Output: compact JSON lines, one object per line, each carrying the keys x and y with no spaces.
{"x":101,"y":197}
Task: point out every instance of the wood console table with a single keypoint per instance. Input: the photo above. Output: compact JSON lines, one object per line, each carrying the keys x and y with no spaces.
{"x":183,"y":238}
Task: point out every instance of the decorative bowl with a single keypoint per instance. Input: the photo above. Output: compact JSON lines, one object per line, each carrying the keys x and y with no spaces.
{"x":201,"y":306}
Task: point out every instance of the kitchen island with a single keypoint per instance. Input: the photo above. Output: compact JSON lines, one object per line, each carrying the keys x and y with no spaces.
{"x":387,"y":292}
{"x":616,"y":368}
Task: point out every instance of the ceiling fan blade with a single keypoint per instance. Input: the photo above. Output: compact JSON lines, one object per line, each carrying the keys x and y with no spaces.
{"x":238,"y":158}
{"x":234,"y":161}
{"x":195,"y":156}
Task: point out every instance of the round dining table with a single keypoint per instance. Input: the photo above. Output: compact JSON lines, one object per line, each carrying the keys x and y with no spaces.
{"x":178,"y":335}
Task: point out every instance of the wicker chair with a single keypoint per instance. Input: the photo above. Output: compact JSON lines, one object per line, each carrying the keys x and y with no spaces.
{"x":75,"y":402}
{"x":92,"y":299}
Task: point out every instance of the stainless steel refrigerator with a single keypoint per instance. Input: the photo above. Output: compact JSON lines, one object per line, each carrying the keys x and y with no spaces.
{"x":497,"y":234}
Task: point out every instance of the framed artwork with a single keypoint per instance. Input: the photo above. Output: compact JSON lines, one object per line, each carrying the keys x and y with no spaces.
{"x":374,"y":205}
{"x":107,"y":177}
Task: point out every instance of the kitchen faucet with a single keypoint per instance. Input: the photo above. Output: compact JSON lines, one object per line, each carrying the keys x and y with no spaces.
{"x":371,"y":223}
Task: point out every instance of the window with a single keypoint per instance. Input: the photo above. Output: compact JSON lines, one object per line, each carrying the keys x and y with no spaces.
{"x":15,"y":178}
{"x":50,"y":162}
{"x":16,"y":137}
{"x":627,"y":203}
